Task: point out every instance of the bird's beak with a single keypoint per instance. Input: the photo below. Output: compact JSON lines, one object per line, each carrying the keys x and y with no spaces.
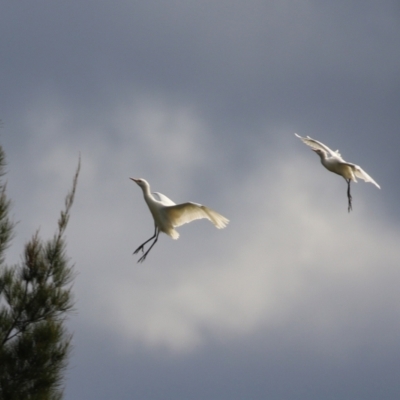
{"x":134,"y":180}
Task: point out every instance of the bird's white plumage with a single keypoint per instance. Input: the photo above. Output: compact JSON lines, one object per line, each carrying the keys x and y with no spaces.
{"x":187,"y":212}
{"x":360,"y":173}
{"x":333,"y":161}
{"x":167,"y":215}
{"x":166,"y":201}
{"x":316,"y":145}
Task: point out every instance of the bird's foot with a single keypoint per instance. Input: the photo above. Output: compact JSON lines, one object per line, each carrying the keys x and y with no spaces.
{"x":350,"y":205}
{"x":141,"y":247}
{"x":141,"y":259}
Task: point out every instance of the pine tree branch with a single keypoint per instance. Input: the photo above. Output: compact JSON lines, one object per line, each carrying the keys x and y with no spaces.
{"x":34,"y":344}
{"x":16,"y":318}
{"x":41,"y":263}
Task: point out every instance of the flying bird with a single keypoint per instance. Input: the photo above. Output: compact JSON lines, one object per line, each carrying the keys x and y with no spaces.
{"x":333,"y":161}
{"x":167,"y":215}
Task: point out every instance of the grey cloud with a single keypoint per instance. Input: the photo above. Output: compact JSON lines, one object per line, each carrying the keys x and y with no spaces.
{"x":296,"y":298}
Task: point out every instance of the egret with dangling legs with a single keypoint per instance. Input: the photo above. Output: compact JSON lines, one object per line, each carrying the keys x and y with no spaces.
{"x":167,"y":215}
{"x":333,"y":161}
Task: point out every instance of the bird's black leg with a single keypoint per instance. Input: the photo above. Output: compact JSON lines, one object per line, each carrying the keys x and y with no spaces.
{"x":141,"y":259}
{"x":349,"y":195}
{"x":141,"y":247}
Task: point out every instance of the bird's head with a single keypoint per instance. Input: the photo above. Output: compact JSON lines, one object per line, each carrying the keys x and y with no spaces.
{"x":141,"y":182}
{"x":322,"y":154}
{"x":319,"y":152}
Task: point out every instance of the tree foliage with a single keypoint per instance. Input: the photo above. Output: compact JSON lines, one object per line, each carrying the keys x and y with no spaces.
{"x":35,"y":298}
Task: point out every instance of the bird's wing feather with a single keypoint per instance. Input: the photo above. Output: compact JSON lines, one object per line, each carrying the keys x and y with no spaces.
{"x":180,"y":214}
{"x":360,"y":173}
{"x":316,"y":145}
{"x":164,"y":199}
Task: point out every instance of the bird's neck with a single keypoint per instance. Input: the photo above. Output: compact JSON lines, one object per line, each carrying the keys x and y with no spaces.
{"x":147,"y":194}
{"x":322,"y":157}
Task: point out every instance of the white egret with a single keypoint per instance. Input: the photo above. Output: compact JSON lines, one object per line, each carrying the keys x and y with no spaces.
{"x":333,"y":161}
{"x":167,"y":215}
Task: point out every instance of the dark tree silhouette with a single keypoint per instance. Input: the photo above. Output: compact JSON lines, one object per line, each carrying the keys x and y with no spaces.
{"x":35,"y":299}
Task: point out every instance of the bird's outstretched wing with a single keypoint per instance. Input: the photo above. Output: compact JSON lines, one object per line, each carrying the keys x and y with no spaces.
{"x":316,"y":145}
{"x":162,"y":198}
{"x":180,"y":214}
{"x":360,"y":173}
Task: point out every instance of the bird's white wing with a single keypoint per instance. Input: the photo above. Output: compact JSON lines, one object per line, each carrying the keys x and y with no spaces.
{"x":360,"y":173}
{"x":180,"y":214}
{"x":164,"y":199}
{"x":316,"y":145}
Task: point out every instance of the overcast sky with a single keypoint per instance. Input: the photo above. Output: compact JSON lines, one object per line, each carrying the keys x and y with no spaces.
{"x":296,"y":298}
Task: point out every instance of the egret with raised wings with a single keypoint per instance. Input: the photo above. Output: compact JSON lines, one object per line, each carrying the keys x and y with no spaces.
{"x":167,"y":215}
{"x":333,"y":161}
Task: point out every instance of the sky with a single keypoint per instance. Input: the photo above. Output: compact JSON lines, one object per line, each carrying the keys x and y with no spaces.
{"x":296,"y":298}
